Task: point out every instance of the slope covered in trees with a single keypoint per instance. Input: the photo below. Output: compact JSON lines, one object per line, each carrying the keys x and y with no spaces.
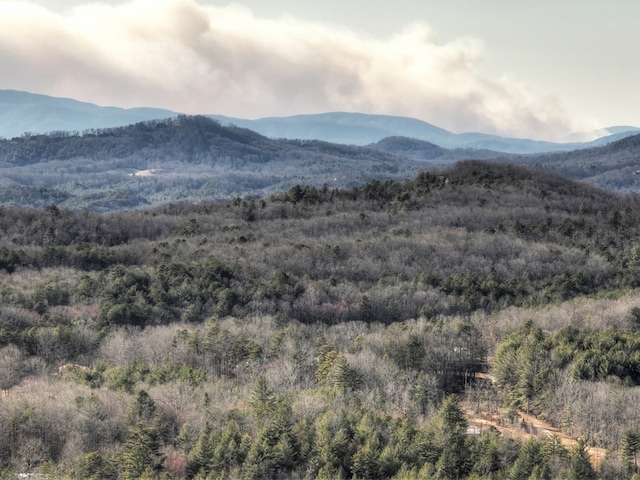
{"x":186,"y":158}
{"x":613,"y":166}
{"x":323,"y":333}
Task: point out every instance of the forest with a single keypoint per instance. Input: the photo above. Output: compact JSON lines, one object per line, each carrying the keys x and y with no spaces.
{"x":321,"y":332}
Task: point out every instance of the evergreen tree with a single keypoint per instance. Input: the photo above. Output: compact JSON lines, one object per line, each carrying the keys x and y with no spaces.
{"x":228,"y":450}
{"x":580,"y":467}
{"x":530,"y":461}
{"x":486,"y":453}
{"x":262,"y":399}
{"x":333,"y":445}
{"x":141,"y":452}
{"x":142,"y":409}
{"x":450,"y":433}
{"x":424,"y":393}
{"x":94,"y":466}
{"x":631,"y":448}
{"x":201,"y":456}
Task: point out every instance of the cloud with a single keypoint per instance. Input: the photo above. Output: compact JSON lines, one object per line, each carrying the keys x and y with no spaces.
{"x":193,"y":58}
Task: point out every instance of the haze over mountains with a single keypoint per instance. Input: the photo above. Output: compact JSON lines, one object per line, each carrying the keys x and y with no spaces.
{"x":22,"y":112}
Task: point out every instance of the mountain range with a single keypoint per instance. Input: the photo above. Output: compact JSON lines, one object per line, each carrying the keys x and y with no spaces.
{"x":22,"y":112}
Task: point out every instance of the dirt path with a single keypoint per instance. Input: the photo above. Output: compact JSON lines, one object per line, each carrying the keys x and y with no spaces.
{"x":528,"y":426}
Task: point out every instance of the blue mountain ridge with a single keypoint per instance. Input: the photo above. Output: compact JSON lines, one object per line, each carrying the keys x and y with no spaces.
{"x":23,"y":112}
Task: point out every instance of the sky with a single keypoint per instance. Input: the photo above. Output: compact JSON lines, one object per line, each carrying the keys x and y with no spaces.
{"x":516,"y":68}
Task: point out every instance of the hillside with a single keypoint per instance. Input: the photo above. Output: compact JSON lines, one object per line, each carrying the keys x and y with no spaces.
{"x":186,"y":158}
{"x":612,"y":166}
{"x":320,"y":332}
{"x":426,"y":151}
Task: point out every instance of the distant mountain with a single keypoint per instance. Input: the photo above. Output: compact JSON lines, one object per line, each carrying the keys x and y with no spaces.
{"x":196,"y":158}
{"x":426,"y":151}
{"x":22,"y":112}
{"x":340,"y":127}
{"x":364,"y":129}
{"x":611,"y":133}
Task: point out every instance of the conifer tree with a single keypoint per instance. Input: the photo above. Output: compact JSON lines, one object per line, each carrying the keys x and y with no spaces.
{"x":580,"y":467}
{"x":630,"y":449}
{"x":450,"y":433}
{"x":141,"y":452}
{"x":530,"y":461}
{"x":262,"y":399}
{"x":201,"y":456}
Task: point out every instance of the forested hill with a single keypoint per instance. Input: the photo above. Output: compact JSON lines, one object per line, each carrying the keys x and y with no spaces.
{"x":426,"y":151}
{"x":611,"y":166}
{"x":182,"y":158}
{"x":181,"y":139}
{"x":317,"y":333}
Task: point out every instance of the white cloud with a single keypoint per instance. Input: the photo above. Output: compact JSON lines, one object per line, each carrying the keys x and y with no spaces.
{"x":201,"y":59}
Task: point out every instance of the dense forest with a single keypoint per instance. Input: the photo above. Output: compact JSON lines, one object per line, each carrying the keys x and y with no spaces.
{"x":327,"y":333}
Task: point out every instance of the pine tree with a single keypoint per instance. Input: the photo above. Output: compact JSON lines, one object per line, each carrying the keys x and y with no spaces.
{"x":424,"y":393}
{"x":345,"y":379}
{"x":142,"y":409}
{"x":530,"y":460}
{"x":228,"y":452}
{"x":580,"y":467}
{"x":201,"y":455}
{"x":140,"y":452}
{"x":262,"y":399}
{"x":631,"y":448}
{"x":450,"y":434}
{"x":486,"y":452}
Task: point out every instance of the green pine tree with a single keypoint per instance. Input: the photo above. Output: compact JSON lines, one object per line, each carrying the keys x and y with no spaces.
{"x":630,"y":449}
{"x":140,"y":452}
{"x":262,"y":400}
{"x":201,"y":455}
{"x":580,"y":467}
{"x":530,"y":460}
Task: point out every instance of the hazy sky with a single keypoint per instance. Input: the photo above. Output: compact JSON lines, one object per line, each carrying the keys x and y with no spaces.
{"x":520,"y":68}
